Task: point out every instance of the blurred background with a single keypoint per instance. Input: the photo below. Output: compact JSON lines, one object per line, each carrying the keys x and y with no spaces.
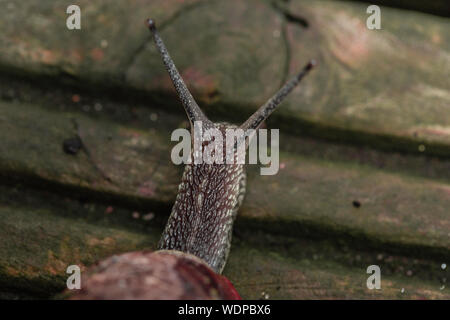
{"x":86,"y":117}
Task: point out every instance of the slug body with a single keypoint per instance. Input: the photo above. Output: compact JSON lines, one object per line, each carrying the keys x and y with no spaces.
{"x":202,"y":217}
{"x":209,"y":195}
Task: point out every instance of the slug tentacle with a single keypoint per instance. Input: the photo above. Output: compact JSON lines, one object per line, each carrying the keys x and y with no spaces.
{"x":191,"y":107}
{"x":266,"y":109}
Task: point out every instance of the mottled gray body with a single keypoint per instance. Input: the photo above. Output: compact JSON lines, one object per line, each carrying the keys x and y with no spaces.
{"x":208,"y":199}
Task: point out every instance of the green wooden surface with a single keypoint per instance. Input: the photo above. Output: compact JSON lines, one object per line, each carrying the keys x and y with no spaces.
{"x":370,"y":125}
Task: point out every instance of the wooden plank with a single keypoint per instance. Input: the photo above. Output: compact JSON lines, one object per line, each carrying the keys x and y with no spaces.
{"x":396,"y":209}
{"x":44,"y":238}
{"x":386,"y":88}
{"x":42,"y":234}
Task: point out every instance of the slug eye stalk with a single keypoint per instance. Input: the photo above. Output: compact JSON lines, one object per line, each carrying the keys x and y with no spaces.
{"x":192,"y":109}
{"x":266,"y":109}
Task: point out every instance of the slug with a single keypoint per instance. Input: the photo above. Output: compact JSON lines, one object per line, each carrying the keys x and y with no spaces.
{"x":196,"y":241}
{"x":209,"y":195}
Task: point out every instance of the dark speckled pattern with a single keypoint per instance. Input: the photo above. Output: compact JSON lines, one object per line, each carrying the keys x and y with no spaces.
{"x":202,"y":217}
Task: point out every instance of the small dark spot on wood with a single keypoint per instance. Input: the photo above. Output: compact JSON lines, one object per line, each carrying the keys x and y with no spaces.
{"x":72,"y":145}
{"x":356,"y":203}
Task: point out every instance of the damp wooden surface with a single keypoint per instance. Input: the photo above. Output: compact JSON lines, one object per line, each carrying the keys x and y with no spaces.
{"x":365,"y":142}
